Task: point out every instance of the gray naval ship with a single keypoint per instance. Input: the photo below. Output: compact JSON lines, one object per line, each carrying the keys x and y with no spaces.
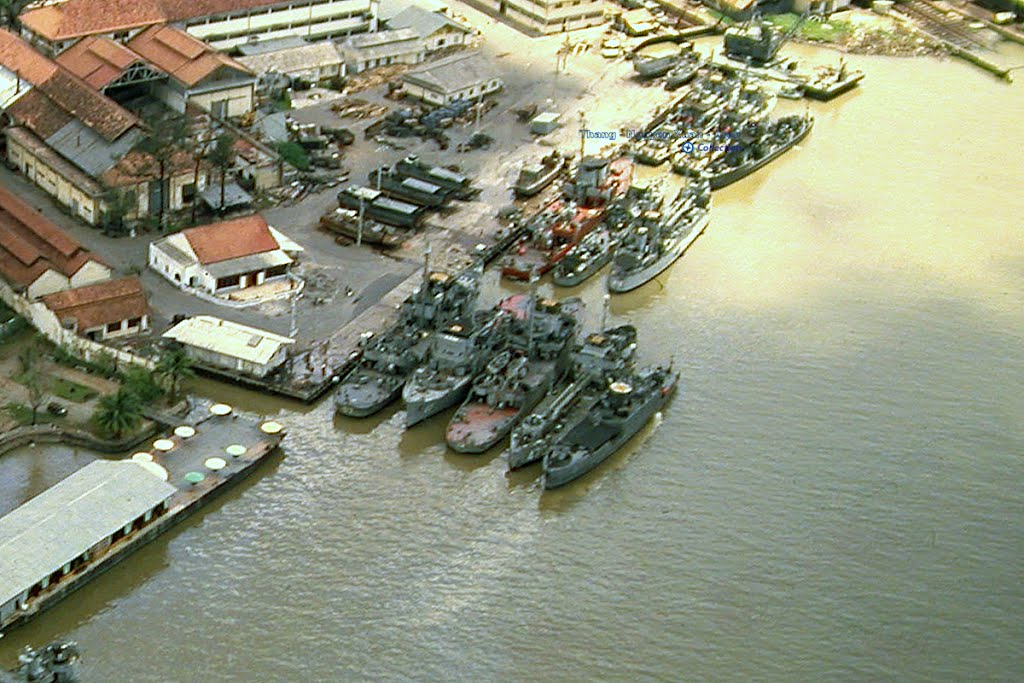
{"x":389,"y":358}
{"x":592,"y":254}
{"x":55,"y":663}
{"x":458,"y":354}
{"x":660,"y":237}
{"x":600,"y":356}
{"x":627,"y":405}
{"x":515,"y":380}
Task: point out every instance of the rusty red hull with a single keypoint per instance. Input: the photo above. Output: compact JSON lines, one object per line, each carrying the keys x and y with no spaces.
{"x":477,"y":427}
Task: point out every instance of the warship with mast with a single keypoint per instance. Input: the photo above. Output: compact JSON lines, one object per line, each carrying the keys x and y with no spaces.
{"x":389,"y":358}
{"x":515,"y":380}
{"x":602,"y":354}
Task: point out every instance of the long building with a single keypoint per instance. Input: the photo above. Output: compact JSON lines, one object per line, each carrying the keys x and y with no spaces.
{"x":46,"y":540}
{"x":221,"y":23}
{"x":540,"y":17}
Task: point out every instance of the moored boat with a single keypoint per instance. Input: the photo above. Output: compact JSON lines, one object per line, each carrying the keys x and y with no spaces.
{"x":516,"y":379}
{"x":345,"y":224}
{"x":627,"y":405}
{"x":535,"y":177}
{"x":659,"y":238}
{"x":592,"y":254}
{"x":758,"y":149}
{"x":601,"y":355}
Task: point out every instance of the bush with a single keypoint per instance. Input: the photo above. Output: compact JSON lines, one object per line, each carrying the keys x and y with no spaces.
{"x":294,"y":154}
{"x":141,"y":382}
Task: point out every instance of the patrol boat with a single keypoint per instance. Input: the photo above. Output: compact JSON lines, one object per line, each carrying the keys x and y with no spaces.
{"x":458,"y":354}
{"x":516,"y":379}
{"x":601,"y":355}
{"x":760,"y":145}
{"x":660,"y":237}
{"x":627,"y":405}
{"x":389,"y":358}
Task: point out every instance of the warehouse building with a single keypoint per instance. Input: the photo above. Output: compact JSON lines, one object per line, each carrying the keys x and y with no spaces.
{"x":295,"y":58}
{"x":369,"y":50}
{"x":225,"y":256}
{"x":466,"y":75}
{"x":436,"y":30}
{"x":47,"y":540}
{"x":105,"y":310}
{"x":540,"y":17}
{"x":231,"y":346}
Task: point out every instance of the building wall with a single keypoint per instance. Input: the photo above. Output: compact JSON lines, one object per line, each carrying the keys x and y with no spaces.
{"x":123,"y":329}
{"x":90,"y":273}
{"x":237,"y":364}
{"x":169,"y":268}
{"x":78,"y":201}
{"x":49,"y":282}
{"x":356,"y":63}
{"x":537,"y":17}
{"x":469,"y":92}
{"x":239,"y":99}
{"x":446,"y":36}
{"x":319,"y":18}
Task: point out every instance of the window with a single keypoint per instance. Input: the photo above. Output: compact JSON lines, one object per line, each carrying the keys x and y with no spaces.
{"x":113,"y":327}
{"x":134,"y":322}
{"x":188,"y":193}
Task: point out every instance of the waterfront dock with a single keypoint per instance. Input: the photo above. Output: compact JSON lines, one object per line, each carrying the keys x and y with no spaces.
{"x":56,"y":542}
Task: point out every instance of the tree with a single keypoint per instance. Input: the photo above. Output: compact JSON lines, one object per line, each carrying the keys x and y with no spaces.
{"x":143,"y":384}
{"x":117,"y":204}
{"x":222,"y":156}
{"x":172,"y":368}
{"x":119,"y":412}
{"x":168,"y":137}
{"x":37,"y":385}
{"x":28,"y":356}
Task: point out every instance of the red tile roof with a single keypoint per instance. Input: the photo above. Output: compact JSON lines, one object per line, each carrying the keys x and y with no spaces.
{"x":59,"y":95}
{"x":22,"y":58}
{"x":97,"y":60}
{"x":100,"y":304}
{"x":78,"y":18}
{"x":184,"y":57}
{"x":231,"y":239}
{"x":30,"y":244}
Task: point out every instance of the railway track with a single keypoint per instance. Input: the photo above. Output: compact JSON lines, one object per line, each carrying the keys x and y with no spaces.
{"x":934,"y":22}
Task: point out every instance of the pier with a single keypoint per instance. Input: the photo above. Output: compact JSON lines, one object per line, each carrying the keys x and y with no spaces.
{"x":56,"y":542}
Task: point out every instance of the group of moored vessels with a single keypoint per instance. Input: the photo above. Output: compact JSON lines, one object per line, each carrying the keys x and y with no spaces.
{"x":516,"y":370}
{"x":497,"y":365}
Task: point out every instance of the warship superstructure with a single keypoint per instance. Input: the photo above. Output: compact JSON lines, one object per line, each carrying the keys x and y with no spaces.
{"x":515,"y":380}
{"x":627,"y":405}
{"x":660,"y":237}
{"x":758,"y":145}
{"x":556,"y":229}
{"x":389,"y":358}
{"x":601,"y":355}
{"x":458,"y":354}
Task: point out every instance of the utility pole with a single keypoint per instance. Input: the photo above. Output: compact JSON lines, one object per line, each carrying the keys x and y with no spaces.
{"x":359,"y":233}
{"x":583,"y":134}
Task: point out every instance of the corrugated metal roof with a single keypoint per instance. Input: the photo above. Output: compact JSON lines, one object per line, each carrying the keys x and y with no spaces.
{"x":248,"y":264}
{"x":423,"y":22}
{"x":77,"y":143}
{"x":66,"y":520}
{"x":295,"y":58}
{"x":452,"y":74}
{"x":228,"y":339}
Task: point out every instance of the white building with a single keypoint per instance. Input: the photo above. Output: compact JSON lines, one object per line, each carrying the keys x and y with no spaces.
{"x":230,"y":346}
{"x":222,"y":23}
{"x":539,"y":17}
{"x":436,"y":30}
{"x":224,"y":257}
{"x":295,"y":58}
{"x":467,"y":75}
{"x":369,"y":50}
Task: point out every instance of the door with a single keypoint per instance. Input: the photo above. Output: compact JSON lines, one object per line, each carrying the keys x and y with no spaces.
{"x":219,"y":109}
{"x":156,"y":197}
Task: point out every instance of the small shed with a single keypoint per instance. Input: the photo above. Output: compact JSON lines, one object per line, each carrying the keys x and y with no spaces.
{"x":542,"y":124}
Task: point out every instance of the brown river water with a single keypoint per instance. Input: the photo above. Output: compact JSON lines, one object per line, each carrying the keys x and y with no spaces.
{"x":834,"y":495}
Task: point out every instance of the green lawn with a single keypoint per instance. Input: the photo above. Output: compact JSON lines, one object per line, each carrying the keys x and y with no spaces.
{"x":825,"y":31}
{"x":66,"y":389}
{"x":23,"y":414}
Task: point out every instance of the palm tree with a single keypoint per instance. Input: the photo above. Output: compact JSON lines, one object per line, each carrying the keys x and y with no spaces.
{"x":172,"y":368}
{"x":118,"y":413}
